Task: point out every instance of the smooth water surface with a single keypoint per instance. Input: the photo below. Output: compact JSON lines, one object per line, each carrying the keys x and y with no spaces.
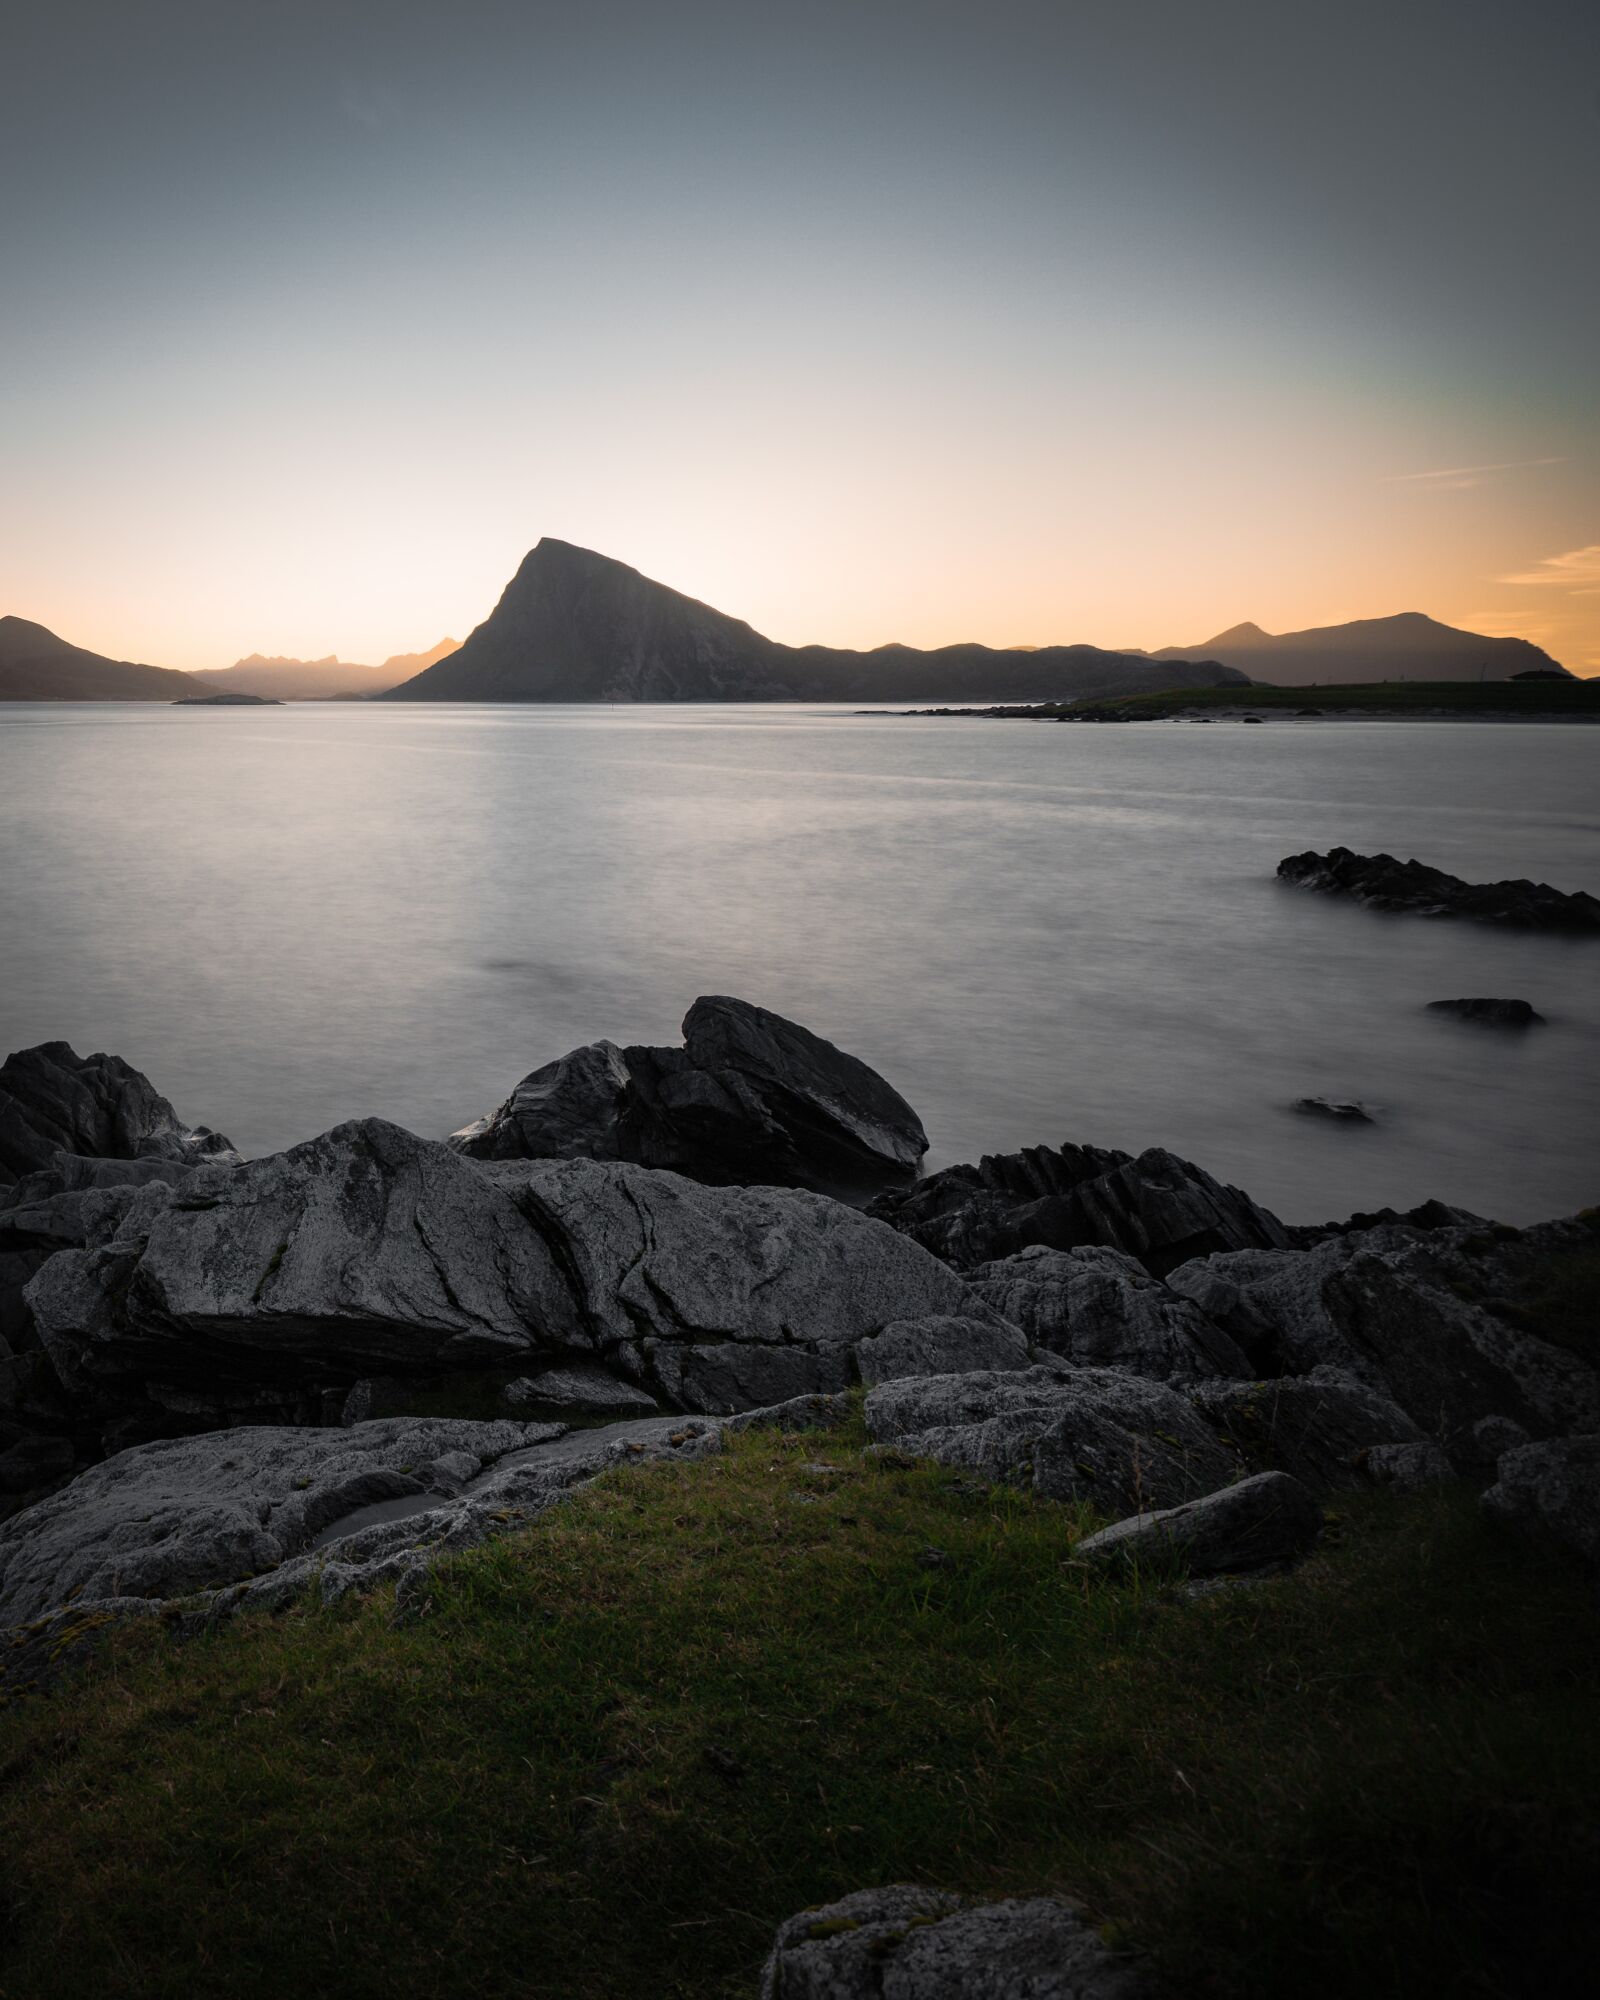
{"x":291,"y":916}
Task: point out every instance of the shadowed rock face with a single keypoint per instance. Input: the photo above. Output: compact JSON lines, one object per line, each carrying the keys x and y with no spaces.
{"x":750,"y":1098}
{"x":1266,"y":1520}
{"x":1383,"y":883}
{"x":53,"y":1101}
{"x":576,"y":626}
{"x":266,"y":1291}
{"x":1158,"y":1208}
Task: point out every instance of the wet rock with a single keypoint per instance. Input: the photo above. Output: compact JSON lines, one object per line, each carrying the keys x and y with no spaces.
{"x":1158,"y":1208}
{"x":902,"y":1942}
{"x":53,"y":1101}
{"x":1491,"y":1013}
{"x":750,"y":1099}
{"x":1266,"y":1520}
{"x":1101,"y":1308}
{"x":1116,"y":1441}
{"x":1551,"y":1491}
{"x":1383,"y":883}
{"x":1345,"y":1109}
{"x":1322,"y":1428}
{"x":939,"y":1345}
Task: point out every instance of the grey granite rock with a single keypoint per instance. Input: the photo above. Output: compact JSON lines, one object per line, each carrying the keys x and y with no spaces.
{"x":1268,"y":1519}
{"x":902,"y":1942}
{"x":1322,"y":1427}
{"x":1158,"y":1208}
{"x":53,"y":1100}
{"x":1114,"y":1440}
{"x":750,"y":1098}
{"x":1551,"y":1491}
{"x":579,"y":1389}
{"x":939,"y":1345}
{"x":1102,"y":1309}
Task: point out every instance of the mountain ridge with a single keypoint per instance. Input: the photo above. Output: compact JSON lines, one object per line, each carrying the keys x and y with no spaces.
{"x":574,"y":625}
{"x":37,"y":664}
{"x":1407,"y":645}
{"x":279,"y":677}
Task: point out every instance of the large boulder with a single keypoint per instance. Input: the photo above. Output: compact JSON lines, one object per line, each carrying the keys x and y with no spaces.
{"x":903,"y":1942}
{"x":939,"y":1345}
{"x":1157,"y":1208}
{"x":750,"y":1098}
{"x":264,"y":1293}
{"x":1322,"y":1427}
{"x":1116,"y":1441}
{"x":1258,"y":1523}
{"x":1383,"y":883}
{"x":54,"y":1101}
{"x":1101,"y":1309}
{"x":1551,"y":1491}
{"x":1430,"y":1318}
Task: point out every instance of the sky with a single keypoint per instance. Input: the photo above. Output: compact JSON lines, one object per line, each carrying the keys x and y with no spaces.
{"x":1022,"y":322}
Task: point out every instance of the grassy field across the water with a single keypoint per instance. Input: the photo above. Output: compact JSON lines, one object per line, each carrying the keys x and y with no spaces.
{"x":626,"y":1741}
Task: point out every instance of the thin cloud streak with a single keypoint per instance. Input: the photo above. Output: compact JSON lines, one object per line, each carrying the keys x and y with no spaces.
{"x":1577,"y":572}
{"x":1456,"y":478}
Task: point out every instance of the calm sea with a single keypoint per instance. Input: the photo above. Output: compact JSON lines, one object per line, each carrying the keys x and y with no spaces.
{"x":291,"y":916}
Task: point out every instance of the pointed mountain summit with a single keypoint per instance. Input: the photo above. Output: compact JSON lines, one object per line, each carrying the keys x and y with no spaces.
{"x":36,"y":664}
{"x":575,"y":626}
{"x":1410,"y":646}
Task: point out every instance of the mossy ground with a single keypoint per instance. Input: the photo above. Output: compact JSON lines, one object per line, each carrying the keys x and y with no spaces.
{"x":623,"y":1744}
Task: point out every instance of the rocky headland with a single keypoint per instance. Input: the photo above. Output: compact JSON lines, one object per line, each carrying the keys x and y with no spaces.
{"x":1411,"y":887}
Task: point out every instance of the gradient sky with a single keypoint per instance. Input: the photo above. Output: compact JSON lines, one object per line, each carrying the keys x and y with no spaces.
{"x":1013,"y":322}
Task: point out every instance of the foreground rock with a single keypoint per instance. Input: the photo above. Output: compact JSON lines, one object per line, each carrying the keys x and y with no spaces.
{"x":53,"y":1101}
{"x":1490,"y":1013}
{"x":1101,"y":1309}
{"x":750,"y":1098}
{"x":1157,"y":1208}
{"x":1090,"y":1434}
{"x":1324,"y":1428}
{"x":262,"y":1513}
{"x":267,"y":1291}
{"x":1262,"y":1522}
{"x":1551,"y":1491}
{"x":907,"y":1943}
{"x":1430,"y":1318}
{"x":1383,"y":883}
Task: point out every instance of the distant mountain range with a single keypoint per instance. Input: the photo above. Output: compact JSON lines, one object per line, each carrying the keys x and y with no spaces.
{"x":576,"y":626}
{"x":280,"y":679}
{"x":35,"y":665}
{"x":1408,"y":647}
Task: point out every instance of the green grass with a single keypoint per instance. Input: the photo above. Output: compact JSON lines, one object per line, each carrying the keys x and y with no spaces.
{"x":626,"y":1742}
{"x":1575,"y":698}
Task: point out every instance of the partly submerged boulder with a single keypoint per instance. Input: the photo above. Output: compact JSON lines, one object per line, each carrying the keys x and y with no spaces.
{"x":54,"y":1101}
{"x":1101,"y":1309}
{"x":1383,"y":883}
{"x":1116,"y":1441}
{"x":750,"y":1098}
{"x":1158,"y":1208}
{"x":1260,"y":1522}
{"x":903,"y":1942}
{"x":1490,"y":1013}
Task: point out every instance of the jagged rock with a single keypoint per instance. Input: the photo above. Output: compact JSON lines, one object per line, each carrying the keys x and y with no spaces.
{"x":1158,"y":1208}
{"x":939,"y":1346}
{"x":263,"y":1293}
{"x":1267,"y":1519}
{"x":749,"y":1099}
{"x":55,"y":1101}
{"x":1408,"y":1468}
{"x":1426,"y":1215}
{"x":1101,"y":1309}
{"x":1383,"y":883}
{"x":1551,"y":1491}
{"x":1116,"y":1441}
{"x":902,"y":1942}
{"x":586,"y":1390}
{"x":1491,"y":1013}
{"x":1424,"y":1316}
{"x":1321,"y":1427}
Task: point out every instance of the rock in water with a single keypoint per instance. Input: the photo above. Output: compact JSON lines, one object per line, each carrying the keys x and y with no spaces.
{"x":907,"y":1943}
{"x":1158,"y":1208}
{"x":1344,"y":1109}
{"x":1490,"y":1013}
{"x":750,"y":1099}
{"x":53,"y":1101}
{"x":1383,"y":883}
{"x":1266,"y":1520}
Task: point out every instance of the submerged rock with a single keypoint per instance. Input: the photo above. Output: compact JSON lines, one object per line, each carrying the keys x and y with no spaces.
{"x":1266,"y":1520}
{"x":1158,"y":1208}
{"x":1347,"y":1109}
{"x":1090,"y":1434}
{"x":1490,"y":1013}
{"x":908,"y":1943}
{"x":1383,"y":883}
{"x":750,"y":1098}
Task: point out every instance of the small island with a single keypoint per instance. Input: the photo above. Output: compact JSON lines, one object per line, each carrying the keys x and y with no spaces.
{"x":227,"y":701}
